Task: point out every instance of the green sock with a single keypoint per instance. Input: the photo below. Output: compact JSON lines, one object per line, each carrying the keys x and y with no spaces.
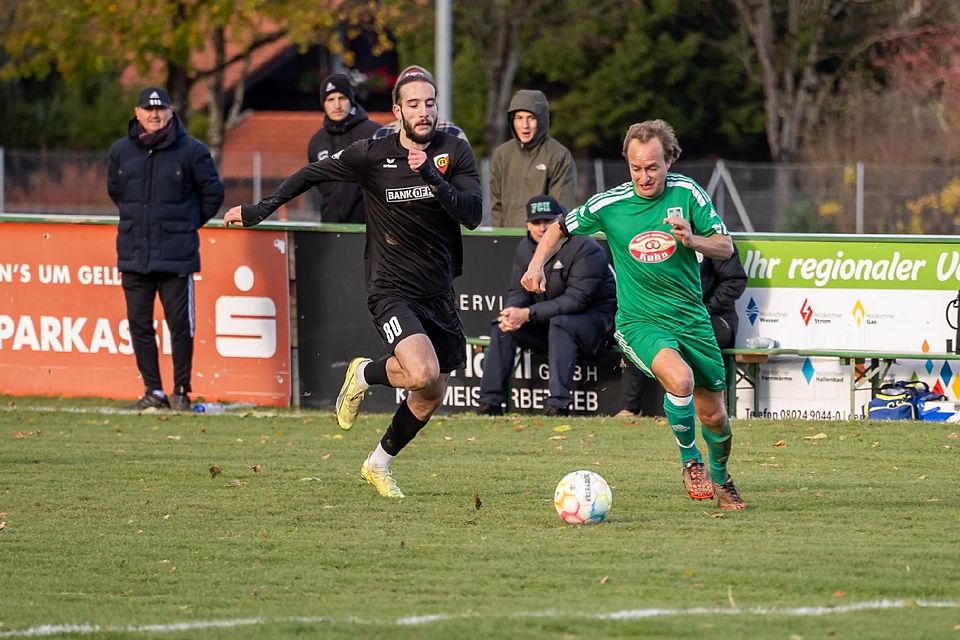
{"x":718,"y":445}
{"x":679,"y":410}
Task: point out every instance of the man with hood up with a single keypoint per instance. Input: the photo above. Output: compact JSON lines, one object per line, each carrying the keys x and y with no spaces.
{"x":166,"y":187}
{"x":531,"y":163}
{"x":344,"y":123}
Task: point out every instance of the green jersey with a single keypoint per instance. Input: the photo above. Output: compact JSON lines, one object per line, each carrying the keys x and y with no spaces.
{"x":658,"y":279}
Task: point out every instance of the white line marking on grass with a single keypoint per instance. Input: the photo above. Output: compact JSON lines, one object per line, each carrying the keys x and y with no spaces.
{"x":628,"y":614}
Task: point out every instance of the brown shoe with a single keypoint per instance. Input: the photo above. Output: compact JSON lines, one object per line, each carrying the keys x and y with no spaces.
{"x":696,"y":482}
{"x":728,"y":498}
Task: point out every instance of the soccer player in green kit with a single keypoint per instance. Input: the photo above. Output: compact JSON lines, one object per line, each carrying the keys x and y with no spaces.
{"x":655,"y":225}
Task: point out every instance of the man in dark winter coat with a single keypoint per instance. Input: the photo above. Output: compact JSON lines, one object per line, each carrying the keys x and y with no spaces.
{"x":573,"y":318}
{"x":166,"y":187}
{"x":723,"y":282}
{"x":344,"y":123}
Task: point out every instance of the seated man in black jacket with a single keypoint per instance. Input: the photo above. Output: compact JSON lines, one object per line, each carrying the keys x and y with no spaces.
{"x":723,"y":282}
{"x":572,"y":319}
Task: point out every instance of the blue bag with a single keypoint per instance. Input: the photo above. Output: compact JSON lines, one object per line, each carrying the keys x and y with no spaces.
{"x":900,"y":400}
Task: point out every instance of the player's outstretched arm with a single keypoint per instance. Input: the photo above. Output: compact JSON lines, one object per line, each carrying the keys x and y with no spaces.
{"x":534,"y":279}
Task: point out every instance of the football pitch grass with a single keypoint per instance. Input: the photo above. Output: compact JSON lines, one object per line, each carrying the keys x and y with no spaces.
{"x":257,"y":525}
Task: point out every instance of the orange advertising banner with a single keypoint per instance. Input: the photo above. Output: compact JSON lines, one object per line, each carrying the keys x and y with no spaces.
{"x":64,"y":330}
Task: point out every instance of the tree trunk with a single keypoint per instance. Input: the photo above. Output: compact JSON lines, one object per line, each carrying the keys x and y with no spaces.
{"x":216,"y":122}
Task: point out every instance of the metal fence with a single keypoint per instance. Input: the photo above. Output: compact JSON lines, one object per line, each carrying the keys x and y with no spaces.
{"x":797,"y":198}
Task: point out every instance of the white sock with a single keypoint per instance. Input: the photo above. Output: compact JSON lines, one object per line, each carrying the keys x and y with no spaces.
{"x":379,"y":460}
{"x":360,"y":379}
{"x":159,"y":393}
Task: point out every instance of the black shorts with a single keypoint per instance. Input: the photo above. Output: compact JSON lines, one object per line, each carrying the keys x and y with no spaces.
{"x":397,"y":317}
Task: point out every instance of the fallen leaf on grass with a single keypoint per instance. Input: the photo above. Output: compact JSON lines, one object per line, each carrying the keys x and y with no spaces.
{"x":839,"y":594}
{"x":718,"y":514}
{"x":256,"y":468}
{"x":780,"y":444}
{"x":447,"y":438}
{"x":471,"y":439}
{"x":25,"y":434}
{"x":604,"y":579}
{"x":325,"y":456}
{"x":819,"y":436}
{"x":3,"y":525}
{"x":311,"y":478}
{"x":236,"y":482}
{"x":562,"y":428}
{"x":520,"y":427}
{"x":953,"y":436}
{"x":477,"y":503}
{"x":557,"y":438}
{"x":214,"y":471}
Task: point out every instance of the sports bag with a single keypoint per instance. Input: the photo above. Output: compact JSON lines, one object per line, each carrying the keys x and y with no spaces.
{"x":900,"y":400}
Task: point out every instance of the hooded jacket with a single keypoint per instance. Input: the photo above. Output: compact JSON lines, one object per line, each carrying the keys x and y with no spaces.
{"x":520,"y":171}
{"x":164,"y":195}
{"x":341,"y":201}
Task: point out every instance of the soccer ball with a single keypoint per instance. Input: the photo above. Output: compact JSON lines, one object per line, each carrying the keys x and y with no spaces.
{"x":582,"y":497}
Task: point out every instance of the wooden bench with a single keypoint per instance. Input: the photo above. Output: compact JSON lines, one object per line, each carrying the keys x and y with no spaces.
{"x":866,"y":368}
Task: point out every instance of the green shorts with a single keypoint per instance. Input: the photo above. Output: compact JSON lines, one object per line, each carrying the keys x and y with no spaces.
{"x":640,"y":342}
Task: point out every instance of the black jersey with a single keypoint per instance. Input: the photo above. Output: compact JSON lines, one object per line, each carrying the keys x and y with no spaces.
{"x":413,"y":218}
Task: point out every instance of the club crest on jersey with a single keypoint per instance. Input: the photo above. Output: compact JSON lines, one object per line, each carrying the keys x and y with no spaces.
{"x":675,"y":211}
{"x":652,"y":246}
{"x":442,"y":161}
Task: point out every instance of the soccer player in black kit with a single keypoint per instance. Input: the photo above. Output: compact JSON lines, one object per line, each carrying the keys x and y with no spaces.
{"x":419,"y":186}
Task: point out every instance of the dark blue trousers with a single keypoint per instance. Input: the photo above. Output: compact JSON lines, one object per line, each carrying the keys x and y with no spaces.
{"x":564,"y":339}
{"x":176,"y":295}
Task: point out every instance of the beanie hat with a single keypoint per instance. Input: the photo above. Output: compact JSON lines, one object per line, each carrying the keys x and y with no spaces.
{"x":412,"y":73}
{"x":337,"y":82}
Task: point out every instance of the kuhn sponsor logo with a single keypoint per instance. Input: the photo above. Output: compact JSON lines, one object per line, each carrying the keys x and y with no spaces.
{"x":806,"y":311}
{"x":408,"y":194}
{"x":653,"y":246}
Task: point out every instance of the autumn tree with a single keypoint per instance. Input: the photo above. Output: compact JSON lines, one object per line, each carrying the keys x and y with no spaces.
{"x":798,"y":51}
{"x":77,"y":37}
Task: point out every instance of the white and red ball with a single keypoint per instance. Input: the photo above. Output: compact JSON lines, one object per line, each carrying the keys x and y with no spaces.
{"x":582,"y":497}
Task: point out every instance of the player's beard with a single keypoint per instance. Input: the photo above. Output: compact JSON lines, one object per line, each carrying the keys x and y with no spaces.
{"x":424,"y":138}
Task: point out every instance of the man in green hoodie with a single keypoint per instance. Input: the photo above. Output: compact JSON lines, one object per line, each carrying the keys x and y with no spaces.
{"x":531,"y":163}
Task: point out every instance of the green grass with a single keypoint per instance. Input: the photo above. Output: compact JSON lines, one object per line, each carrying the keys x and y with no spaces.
{"x":115,"y":520}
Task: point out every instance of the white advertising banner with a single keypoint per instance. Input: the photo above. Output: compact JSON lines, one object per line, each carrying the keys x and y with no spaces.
{"x":853,"y":293}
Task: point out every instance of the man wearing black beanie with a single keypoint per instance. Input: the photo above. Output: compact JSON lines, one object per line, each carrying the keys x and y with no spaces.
{"x":344,"y":123}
